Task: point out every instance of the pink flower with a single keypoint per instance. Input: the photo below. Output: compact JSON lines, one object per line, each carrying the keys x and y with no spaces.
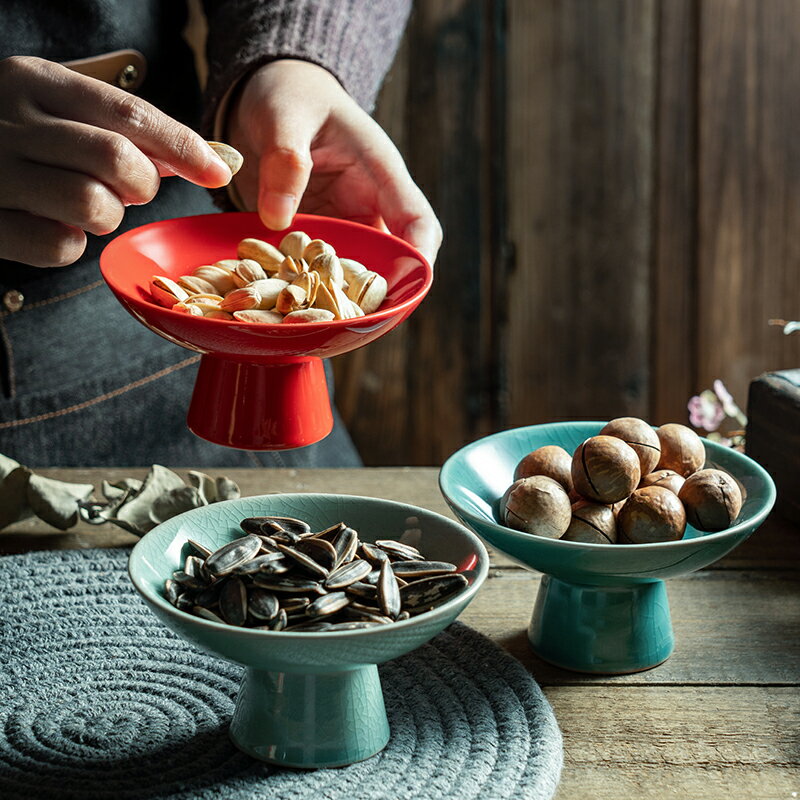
{"x":705,"y":411}
{"x":728,"y":403}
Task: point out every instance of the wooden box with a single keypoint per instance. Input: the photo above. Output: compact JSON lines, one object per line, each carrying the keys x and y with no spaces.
{"x":773,"y":434}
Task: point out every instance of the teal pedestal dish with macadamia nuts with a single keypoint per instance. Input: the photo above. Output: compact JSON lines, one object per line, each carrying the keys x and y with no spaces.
{"x":601,"y":607}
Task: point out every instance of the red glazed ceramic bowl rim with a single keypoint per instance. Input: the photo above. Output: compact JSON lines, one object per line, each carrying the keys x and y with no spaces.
{"x":357,"y":228}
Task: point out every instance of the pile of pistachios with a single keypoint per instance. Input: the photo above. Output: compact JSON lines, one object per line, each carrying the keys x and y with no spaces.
{"x":301,"y":280}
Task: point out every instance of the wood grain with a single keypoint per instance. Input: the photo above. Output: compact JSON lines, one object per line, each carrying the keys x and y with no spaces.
{"x":674,"y":295}
{"x":730,"y":627}
{"x":682,"y":742}
{"x":415,"y":395}
{"x":581,"y":119}
{"x":776,"y":545}
{"x":749,"y":192}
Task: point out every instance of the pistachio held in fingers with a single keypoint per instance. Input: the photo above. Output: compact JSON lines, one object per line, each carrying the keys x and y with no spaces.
{"x":231,"y":157}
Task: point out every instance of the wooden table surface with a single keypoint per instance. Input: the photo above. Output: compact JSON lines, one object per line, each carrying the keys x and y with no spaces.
{"x":719,"y":719}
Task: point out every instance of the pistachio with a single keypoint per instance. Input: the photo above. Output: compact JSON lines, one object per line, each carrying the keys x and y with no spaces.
{"x":220,"y":277}
{"x":351,"y":268}
{"x":231,"y":157}
{"x":266,"y":254}
{"x":213,"y":299}
{"x":218,"y":314}
{"x":329,"y":268}
{"x":241,"y":300}
{"x":309,"y":282}
{"x":290,"y":268}
{"x":368,"y":289}
{"x":257,"y":315}
{"x":317,"y":247}
{"x":308,"y":315}
{"x":269,"y":289}
{"x":193,"y":310}
{"x":247,"y":271}
{"x":292,"y":298}
{"x":194,"y":285}
{"x":326,"y":301}
{"x":166,"y":291}
{"x":294,"y":243}
{"x":206,"y":306}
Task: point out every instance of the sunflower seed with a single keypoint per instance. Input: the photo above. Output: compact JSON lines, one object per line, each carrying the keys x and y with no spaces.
{"x":233,"y":602}
{"x":268,"y":544}
{"x":321,"y":551}
{"x":194,"y":566}
{"x":353,"y":626}
{"x":328,"y":604}
{"x":295,"y":604}
{"x":190,"y":581}
{"x":430,"y":592}
{"x":263,"y":604}
{"x":362,"y":590}
{"x":288,"y":584}
{"x":306,"y":562}
{"x":233,"y":554}
{"x":330,"y":534}
{"x":373,"y":577}
{"x":201,"y":549}
{"x":258,"y":563}
{"x":310,"y":627}
{"x":345,"y":544}
{"x":270,"y":525}
{"x":346,"y":574}
{"x":404,"y":552}
{"x":185,"y":602}
{"x":421,"y":569}
{"x":373,"y":554}
{"x":364,"y":614}
{"x":206,"y":613}
{"x":279,"y":623}
{"x":388,"y":591}
{"x":173,"y":591}
{"x":210,"y":596}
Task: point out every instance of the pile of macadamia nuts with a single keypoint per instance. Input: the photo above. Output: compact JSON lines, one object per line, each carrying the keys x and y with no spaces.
{"x":630,"y":484}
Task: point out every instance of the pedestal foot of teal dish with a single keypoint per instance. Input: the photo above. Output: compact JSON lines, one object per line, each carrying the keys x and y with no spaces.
{"x":310,"y":720}
{"x":602,"y":629}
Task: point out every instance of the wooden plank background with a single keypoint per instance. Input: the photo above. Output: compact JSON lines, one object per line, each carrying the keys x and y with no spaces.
{"x":618,"y":185}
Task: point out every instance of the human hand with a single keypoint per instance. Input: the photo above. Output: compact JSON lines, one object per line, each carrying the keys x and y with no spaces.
{"x":308,"y":146}
{"x":74,"y":152}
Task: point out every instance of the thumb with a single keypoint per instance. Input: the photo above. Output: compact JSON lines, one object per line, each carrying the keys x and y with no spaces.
{"x":284,"y":170}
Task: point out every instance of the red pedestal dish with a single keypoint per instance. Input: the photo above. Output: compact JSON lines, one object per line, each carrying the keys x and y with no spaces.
{"x":260,"y":386}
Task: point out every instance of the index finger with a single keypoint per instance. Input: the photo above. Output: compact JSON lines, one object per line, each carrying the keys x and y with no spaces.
{"x":166,"y":141}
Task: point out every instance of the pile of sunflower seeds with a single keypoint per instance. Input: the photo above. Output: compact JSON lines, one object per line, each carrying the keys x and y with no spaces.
{"x":283,"y":576}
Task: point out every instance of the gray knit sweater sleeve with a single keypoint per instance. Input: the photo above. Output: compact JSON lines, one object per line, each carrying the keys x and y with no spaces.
{"x":355,"y":40}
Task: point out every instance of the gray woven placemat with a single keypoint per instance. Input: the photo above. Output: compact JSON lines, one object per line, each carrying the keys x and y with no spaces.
{"x":99,"y":700}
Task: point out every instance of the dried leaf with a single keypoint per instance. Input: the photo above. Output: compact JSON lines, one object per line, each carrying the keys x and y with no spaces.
{"x":7,"y":465}
{"x":135,"y":513}
{"x":56,"y":502}
{"x":114,"y":492}
{"x":13,"y":496}
{"x":175,"y":502}
{"x":227,"y":489}
{"x":204,"y":484}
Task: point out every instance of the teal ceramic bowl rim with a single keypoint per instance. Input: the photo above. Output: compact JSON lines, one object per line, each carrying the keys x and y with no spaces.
{"x":750,"y":524}
{"x":481,"y":570}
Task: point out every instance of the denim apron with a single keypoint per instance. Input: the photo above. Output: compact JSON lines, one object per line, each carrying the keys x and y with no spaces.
{"x":81,"y":382}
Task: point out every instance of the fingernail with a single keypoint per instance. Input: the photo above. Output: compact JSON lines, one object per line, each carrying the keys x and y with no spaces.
{"x":277,"y":210}
{"x":222,"y":174}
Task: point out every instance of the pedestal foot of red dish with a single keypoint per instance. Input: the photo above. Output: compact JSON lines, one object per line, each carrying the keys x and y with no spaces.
{"x":275,"y":405}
